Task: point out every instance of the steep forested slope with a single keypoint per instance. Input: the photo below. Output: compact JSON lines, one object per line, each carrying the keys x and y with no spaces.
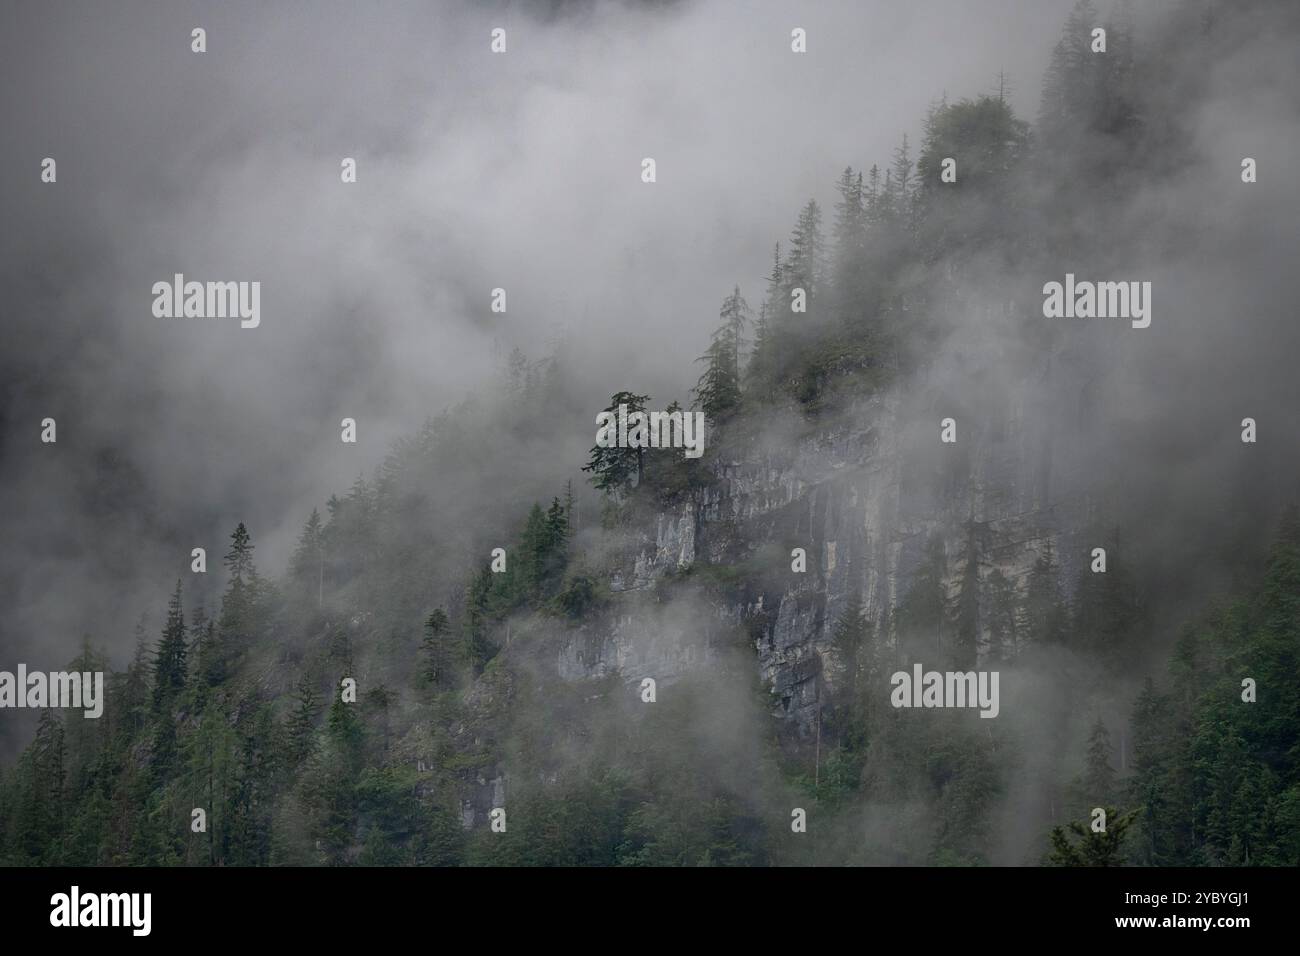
{"x":519,"y":685}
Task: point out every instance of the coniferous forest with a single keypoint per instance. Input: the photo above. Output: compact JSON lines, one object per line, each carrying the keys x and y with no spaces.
{"x":629,"y":656}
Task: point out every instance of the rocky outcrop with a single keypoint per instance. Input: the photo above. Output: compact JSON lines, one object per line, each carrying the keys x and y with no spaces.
{"x":865,"y":498}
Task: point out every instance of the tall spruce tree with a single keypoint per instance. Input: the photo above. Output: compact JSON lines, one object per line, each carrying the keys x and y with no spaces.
{"x":615,"y":468}
{"x":302,"y":720}
{"x":307,"y":566}
{"x":849,"y":271}
{"x":718,"y":390}
{"x":902,"y":185}
{"x":1099,"y":775}
{"x":805,"y":263}
{"x":244,"y":587}
{"x":849,"y":229}
{"x":170,"y":672}
{"x":533,"y":553}
{"x":48,"y":789}
{"x":437,"y":653}
{"x":761,"y":371}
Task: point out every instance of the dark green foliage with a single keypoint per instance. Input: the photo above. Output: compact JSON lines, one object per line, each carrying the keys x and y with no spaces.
{"x":614,"y":468}
{"x":241,"y":607}
{"x":230,"y":714}
{"x":1089,"y":847}
{"x":718,"y":390}
{"x":984,"y":133}
{"x":1216,"y":777}
{"x":574,"y":823}
{"x":170,"y":672}
{"x":1088,"y":109}
{"x":760,"y":374}
{"x":964,"y":774}
{"x":846,"y":724}
{"x":960,"y":219}
{"x":533,"y":575}
{"x":398,"y":830}
{"x":437,"y":654}
{"x":578,"y":596}
{"x":805,"y":263}
{"x":302,"y":721}
{"x":1099,"y":776}
{"x":307,"y":566}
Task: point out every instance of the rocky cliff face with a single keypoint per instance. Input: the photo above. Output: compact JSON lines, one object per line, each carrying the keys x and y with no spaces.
{"x":865,"y":498}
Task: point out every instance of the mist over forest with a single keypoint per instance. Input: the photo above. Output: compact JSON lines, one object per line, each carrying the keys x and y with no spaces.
{"x":914,"y":466}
